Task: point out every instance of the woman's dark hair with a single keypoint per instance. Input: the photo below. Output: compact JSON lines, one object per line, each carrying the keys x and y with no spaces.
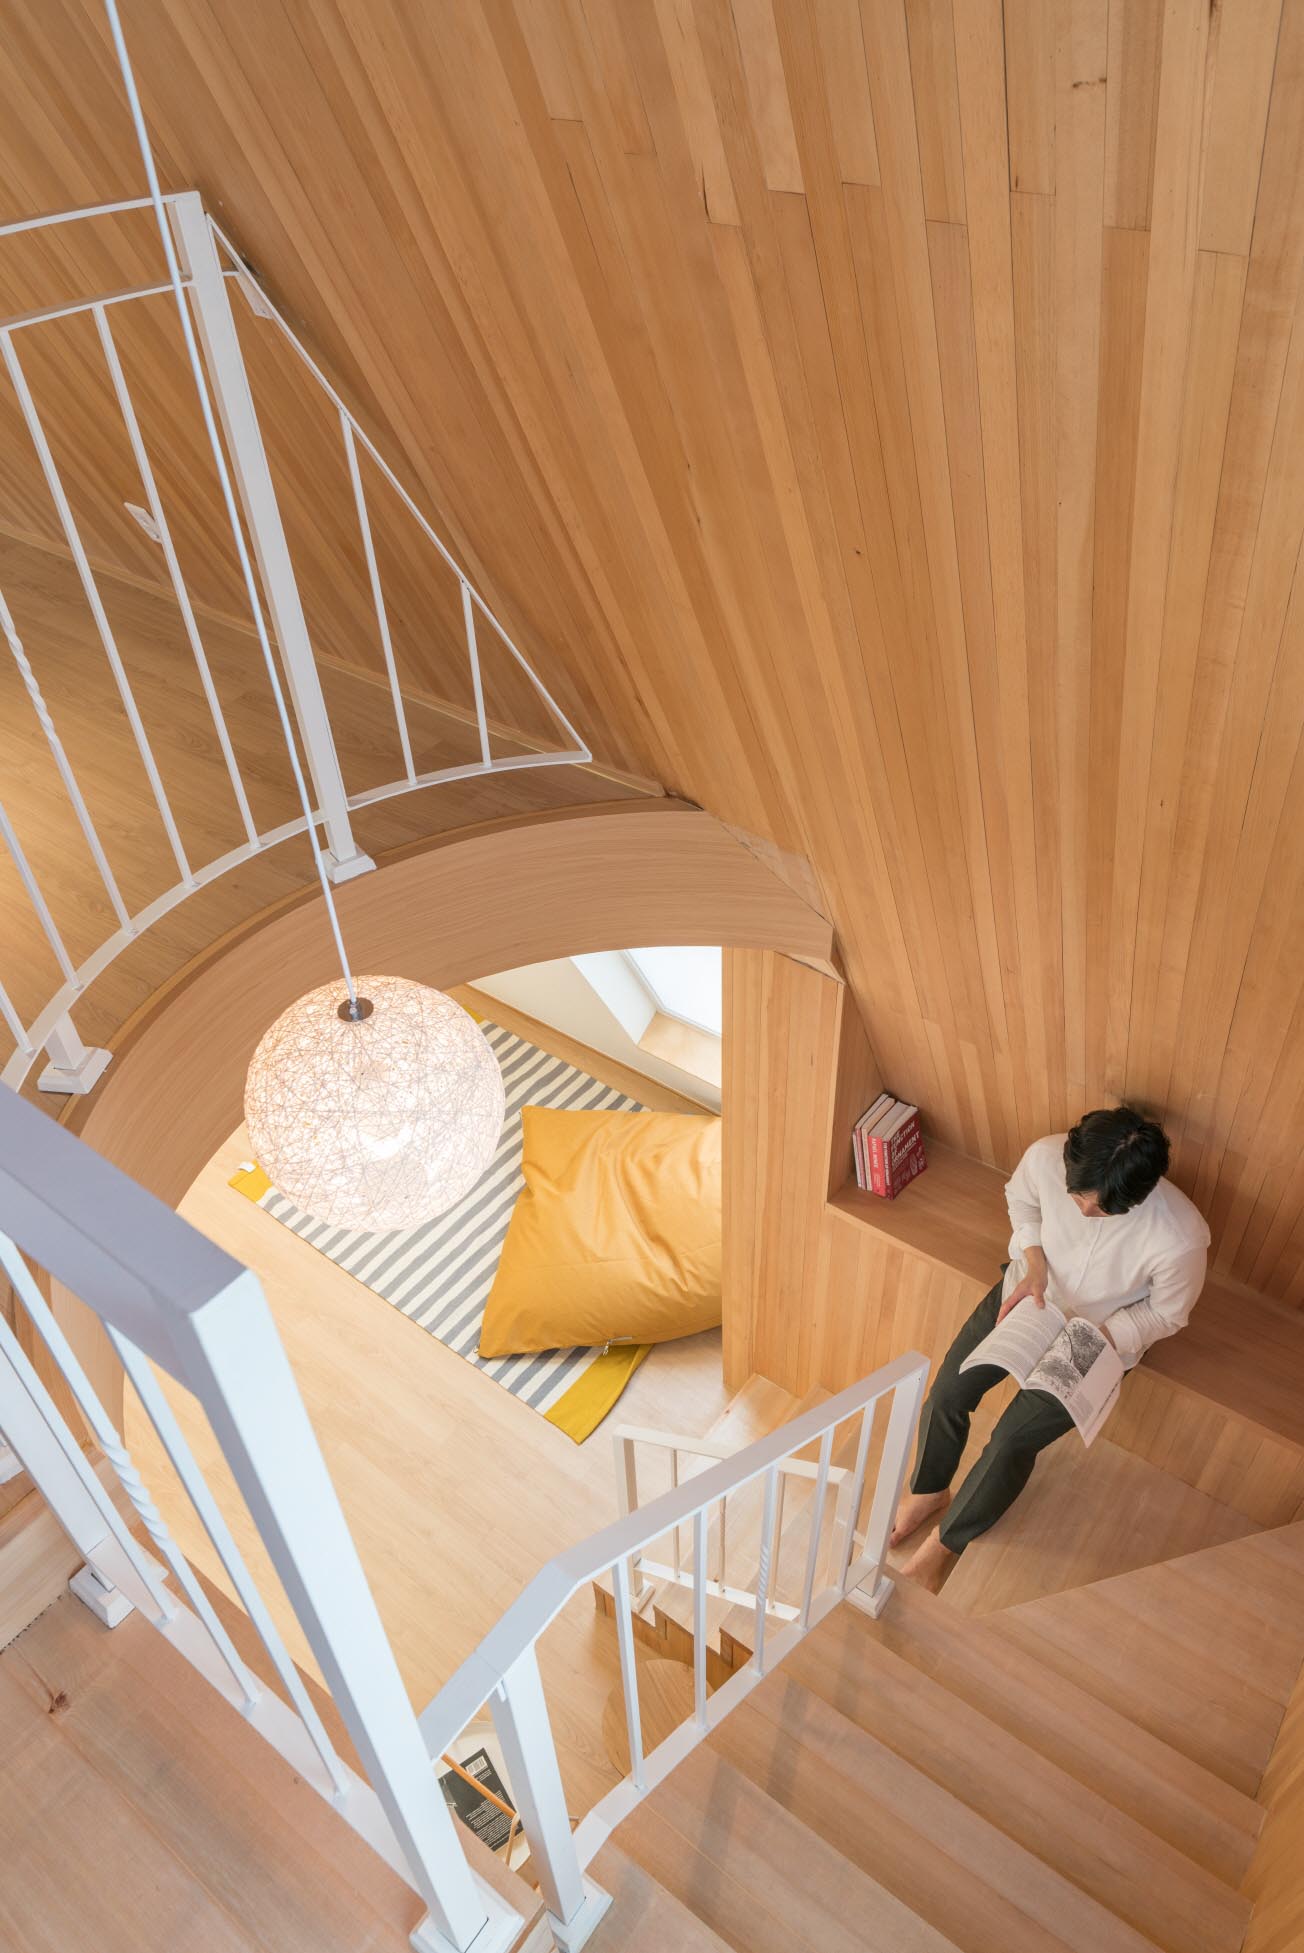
{"x":1117,"y":1154}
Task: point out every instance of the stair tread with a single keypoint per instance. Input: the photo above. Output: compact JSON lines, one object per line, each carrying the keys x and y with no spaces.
{"x":1268,"y":1563}
{"x":766,"y":1882}
{"x":1134,"y":1872}
{"x":1181,"y":1799}
{"x":1185,"y":1698}
{"x":939,"y":1857}
{"x":644,"y":1917}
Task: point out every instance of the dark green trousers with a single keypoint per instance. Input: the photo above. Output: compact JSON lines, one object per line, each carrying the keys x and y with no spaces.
{"x":1024,"y":1428}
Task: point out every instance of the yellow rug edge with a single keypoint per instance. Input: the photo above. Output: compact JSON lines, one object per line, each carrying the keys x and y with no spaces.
{"x":580,"y":1409}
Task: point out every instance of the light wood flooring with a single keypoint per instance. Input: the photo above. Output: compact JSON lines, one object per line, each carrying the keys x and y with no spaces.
{"x":43,"y":593}
{"x":455,"y":1491}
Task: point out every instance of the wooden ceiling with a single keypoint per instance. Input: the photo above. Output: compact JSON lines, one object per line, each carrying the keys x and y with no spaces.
{"x":883,"y":422}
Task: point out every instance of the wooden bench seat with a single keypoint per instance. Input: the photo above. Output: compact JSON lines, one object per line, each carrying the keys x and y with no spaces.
{"x":1220,"y":1406}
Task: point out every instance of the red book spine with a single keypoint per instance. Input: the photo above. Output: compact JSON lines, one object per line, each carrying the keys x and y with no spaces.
{"x":906,"y":1167}
{"x":877,"y":1164}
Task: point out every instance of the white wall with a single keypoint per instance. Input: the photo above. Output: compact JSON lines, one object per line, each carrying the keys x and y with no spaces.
{"x":560,"y":995}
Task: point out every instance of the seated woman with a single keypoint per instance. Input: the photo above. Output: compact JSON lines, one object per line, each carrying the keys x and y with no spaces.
{"x":1105,"y":1236}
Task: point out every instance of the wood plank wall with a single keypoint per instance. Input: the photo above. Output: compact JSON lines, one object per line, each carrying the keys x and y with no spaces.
{"x":882,"y":420}
{"x":1273,"y":1881}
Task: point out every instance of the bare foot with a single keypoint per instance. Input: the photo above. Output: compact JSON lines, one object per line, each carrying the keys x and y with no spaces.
{"x":913,"y":1510}
{"x":929,"y":1564}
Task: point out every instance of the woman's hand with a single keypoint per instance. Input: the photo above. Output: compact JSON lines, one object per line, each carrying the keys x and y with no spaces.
{"x":1033,"y":1283}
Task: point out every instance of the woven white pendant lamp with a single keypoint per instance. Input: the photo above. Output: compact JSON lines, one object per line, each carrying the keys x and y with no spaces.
{"x":378,"y":1120}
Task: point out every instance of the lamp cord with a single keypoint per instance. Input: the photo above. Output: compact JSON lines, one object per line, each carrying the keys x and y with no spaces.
{"x":228,"y":493}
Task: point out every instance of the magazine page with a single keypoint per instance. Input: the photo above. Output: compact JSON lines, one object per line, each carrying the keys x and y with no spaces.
{"x":1018,"y":1343}
{"x":1083,"y":1370}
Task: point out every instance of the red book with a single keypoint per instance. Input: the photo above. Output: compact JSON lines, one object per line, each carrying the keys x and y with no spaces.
{"x":906,"y":1167}
{"x":888,"y":1138}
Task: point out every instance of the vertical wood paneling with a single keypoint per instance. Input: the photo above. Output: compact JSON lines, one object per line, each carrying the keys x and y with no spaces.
{"x":880,"y":420}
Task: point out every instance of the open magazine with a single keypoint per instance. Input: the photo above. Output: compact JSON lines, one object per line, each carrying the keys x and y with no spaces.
{"x":1066,"y":1356}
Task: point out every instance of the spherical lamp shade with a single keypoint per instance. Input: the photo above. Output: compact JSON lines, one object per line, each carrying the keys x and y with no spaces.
{"x":376,"y":1123}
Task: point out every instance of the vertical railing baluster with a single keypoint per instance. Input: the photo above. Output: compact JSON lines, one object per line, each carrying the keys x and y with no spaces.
{"x":72,"y":536}
{"x":768,"y":1516}
{"x":856,"y":1494}
{"x":629,"y":1670}
{"x":110,"y":1442}
{"x":778,"y":1536}
{"x":721,"y":1546}
{"x":173,"y":1440}
{"x":816,"y":1525}
{"x":699,"y":1618}
{"x":28,"y":879}
{"x":674,"y":1486}
{"x":18,"y":1030}
{"x":62,"y":762}
{"x":627,"y":1500}
{"x":377,"y":593}
{"x":890,"y":1481}
{"x":127,"y":408}
{"x":473,"y":653}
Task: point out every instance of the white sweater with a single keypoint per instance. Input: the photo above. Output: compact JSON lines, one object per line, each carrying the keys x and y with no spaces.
{"x":1139,"y":1273}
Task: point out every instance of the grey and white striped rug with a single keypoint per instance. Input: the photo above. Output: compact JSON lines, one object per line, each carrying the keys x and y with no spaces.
{"x":440,"y":1274}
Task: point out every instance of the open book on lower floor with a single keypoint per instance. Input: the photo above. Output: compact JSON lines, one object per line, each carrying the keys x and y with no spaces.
{"x":1066,"y":1356}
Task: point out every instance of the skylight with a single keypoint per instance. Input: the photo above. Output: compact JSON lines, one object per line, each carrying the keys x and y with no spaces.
{"x":685,"y":982}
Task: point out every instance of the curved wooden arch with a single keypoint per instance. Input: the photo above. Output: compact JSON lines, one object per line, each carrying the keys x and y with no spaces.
{"x":466,"y":905}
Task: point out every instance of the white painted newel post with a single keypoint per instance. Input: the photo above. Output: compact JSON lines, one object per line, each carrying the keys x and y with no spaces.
{"x":575,"y":1904}
{"x":218,"y":337}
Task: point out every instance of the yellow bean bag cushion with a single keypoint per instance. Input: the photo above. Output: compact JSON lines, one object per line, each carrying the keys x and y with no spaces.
{"x":616,"y":1237}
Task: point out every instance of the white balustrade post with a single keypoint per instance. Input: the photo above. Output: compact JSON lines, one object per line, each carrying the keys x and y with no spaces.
{"x":233,"y":1360}
{"x":907,"y":1399}
{"x":215,"y":323}
{"x":117,"y":1576}
{"x":575,"y":1904}
{"x":74,"y":1067}
{"x":627,"y":1502}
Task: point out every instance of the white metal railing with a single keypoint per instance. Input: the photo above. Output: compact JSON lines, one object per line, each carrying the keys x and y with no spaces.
{"x":204,"y":269}
{"x":802,"y":1475}
{"x":171,"y":1301}
{"x":504,"y":1670}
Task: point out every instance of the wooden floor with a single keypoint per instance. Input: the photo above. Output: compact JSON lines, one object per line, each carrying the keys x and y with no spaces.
{"x":141,"y":1812}
{"x":456,"y":1492}
{"x":60,"y":640}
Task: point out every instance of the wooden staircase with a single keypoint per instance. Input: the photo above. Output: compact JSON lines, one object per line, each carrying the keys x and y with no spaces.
{"x":1073,"y":1775}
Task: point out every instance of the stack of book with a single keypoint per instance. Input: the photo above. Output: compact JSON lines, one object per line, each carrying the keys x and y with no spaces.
{"x":889,"y":1146}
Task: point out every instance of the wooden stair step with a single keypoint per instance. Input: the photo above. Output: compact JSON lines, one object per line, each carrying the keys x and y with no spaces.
{"x":644,"y":1917}
{"x":1269,"y":1576}
{"x":1135,"y":1874}
{"x":759,"y":1408}
{"x":1183,"y":1698}
{"x":944,"y":1861}
{"x":1176,"y":1797}
{"x":763,"y":1880}
{"x":1200,"y":1613}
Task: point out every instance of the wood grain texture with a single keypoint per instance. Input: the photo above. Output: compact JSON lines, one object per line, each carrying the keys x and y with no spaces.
{"x":1272,"y":1882}
{"x":880,"y":422}
{"x":822,"y":1288}
{"x":519,"y":894}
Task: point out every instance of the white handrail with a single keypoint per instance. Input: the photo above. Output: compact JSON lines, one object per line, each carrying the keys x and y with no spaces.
{"x":269,"y":580}
{"x":159,"y":1287}
{"x":494,"y":1671}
